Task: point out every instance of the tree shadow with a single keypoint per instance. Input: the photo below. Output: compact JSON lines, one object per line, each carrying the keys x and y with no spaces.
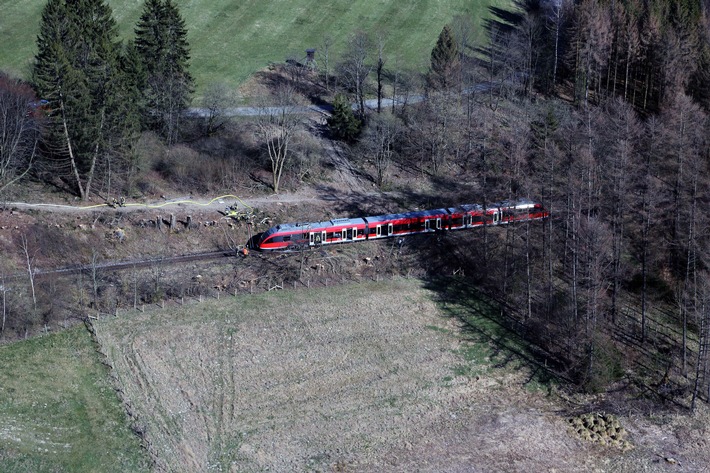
{"x":482,"y":319}
{"x":305,"y":81}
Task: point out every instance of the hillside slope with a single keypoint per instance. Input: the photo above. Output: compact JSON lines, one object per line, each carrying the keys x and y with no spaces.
{"x":232,"y":40}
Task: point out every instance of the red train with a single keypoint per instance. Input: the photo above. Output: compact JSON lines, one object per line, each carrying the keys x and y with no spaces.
{"x":296,"y":236}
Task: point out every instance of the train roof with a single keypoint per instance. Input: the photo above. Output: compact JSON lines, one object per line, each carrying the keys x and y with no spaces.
{"x":522,"y":202}
{"x":347,"y":222}
{"x":306,"y":226}
{"x":416,"y":213}
{"x":466,"y":208}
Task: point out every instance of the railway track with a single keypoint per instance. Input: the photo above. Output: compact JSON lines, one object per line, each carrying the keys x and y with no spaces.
{"x":41,"y":273}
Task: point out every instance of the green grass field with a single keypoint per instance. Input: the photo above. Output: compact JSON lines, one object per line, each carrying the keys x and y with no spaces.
{"x":232,"y":39}
{"x":58,"y":411}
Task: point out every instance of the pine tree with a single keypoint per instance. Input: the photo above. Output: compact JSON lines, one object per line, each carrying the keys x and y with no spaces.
{"x":164,"y":53}
{"x":445,"y":62}
{"x":343,"y":123}
{"x":77,"y":70}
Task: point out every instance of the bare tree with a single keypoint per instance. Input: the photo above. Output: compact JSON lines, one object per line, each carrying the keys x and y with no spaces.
{"x":218,"y":98}
{"x":379,"y":141}
{"x":326,"y":46}
{"x":618,"y":129}
{"x":433,"y":134}
{"x":277,"y":127}
{"x":3,"y":288}
{"x":19,"y":133}
{"x":646,"y":205}
{"x":355,"y":69}
{"x":701,"y":362}
{"x":556,"y":18}
{"x":380,"y":67}
{"x":464,"y":32}
{"x":526,"y":51}
{"x":590,"y":48}
{"x":29,"y":259}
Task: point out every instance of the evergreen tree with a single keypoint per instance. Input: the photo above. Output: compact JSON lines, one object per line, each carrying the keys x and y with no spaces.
{"x":445,"y":62}
{"x":343,"y":123}
{"x":163,"y":52}
{"x":77,"y":70}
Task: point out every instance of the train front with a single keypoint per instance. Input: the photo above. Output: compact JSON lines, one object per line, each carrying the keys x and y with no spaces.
{"x":265,"y":241}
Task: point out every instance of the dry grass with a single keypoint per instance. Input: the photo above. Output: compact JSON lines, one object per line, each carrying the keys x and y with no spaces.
{"x":353,"y":378}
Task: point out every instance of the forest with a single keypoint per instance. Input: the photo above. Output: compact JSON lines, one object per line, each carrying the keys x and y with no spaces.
{"x":598,"y":109}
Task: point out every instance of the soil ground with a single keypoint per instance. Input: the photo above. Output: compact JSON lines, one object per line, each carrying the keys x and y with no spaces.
{"x":360,"y":377}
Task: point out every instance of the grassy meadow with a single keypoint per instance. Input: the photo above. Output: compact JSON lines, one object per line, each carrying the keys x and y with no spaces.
{"x":59,"y":411}
{"x":230,"y":40}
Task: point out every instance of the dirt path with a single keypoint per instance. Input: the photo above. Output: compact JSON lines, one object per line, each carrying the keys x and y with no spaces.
{"x":215,"y":203}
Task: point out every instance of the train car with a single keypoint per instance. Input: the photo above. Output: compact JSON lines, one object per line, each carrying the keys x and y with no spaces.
{"x":423,"y":221}
{"x":299,"y":236}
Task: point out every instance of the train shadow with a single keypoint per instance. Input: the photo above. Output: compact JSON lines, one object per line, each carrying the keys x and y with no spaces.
{"x":361,"y":204}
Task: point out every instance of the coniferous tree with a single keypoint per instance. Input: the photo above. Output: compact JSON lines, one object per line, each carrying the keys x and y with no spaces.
{"x":343,"y":123}
{"x":445,"y":61}
{"x":163,"y":49}
{"x":78,"y":71}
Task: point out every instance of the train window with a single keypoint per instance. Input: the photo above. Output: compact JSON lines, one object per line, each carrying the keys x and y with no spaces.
{"x":438,"y":224}
{"x":287,"y":238}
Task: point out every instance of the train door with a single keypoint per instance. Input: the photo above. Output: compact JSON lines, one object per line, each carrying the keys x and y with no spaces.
{"x":378,"y":230}
{"x":496,"y":217}
{"x":350,"y":233}
{"x":316,"y":238}
{"x":426,"y":225}
{"x":438,"y":224}
{"x":389,"y":229}
{"x":467,"y":221}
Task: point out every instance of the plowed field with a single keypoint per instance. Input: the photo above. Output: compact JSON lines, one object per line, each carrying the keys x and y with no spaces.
{"x":361,"y":377}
